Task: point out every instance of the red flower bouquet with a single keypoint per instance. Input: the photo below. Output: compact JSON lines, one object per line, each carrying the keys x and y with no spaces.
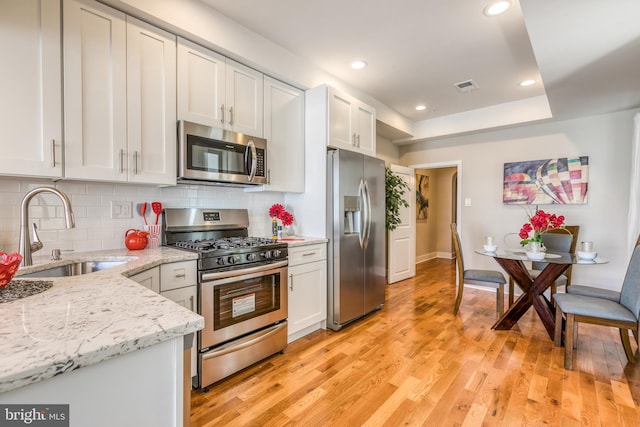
{"x":277,"y":211}
{"x":539,"y":223}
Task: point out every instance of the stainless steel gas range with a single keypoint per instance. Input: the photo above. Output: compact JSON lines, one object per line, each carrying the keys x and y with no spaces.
{"x":242,"y":288}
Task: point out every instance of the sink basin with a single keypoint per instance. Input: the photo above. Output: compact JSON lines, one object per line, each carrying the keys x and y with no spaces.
{"x":74,"y":269}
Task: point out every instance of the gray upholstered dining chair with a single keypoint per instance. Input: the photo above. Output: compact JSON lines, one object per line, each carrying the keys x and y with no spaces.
{"x":592,"y":291}
{"x":490,"y":278}
{"x":600,"y":311}
{"x":556,"y":240}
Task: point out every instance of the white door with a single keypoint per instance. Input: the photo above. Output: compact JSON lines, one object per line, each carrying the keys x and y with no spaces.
{"x":366,"y":136}
{"x":284,"y":129}
{"x":151,"y":104}
{"x":31,"y":100}
{"x":201,"y":84}
{"x":402,"y":240}
{"x":95,"y":91}
{"x":341,"y":132}
{"x":244,"y":96}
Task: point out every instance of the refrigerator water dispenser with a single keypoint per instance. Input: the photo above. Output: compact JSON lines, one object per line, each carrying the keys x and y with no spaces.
{"x":351,"y":215}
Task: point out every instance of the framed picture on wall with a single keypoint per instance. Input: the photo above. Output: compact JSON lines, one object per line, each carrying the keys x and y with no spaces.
{"x":422,"y":197}
{"x":558,"y":181}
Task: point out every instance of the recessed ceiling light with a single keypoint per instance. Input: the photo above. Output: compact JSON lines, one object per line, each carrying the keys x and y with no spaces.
{"x":359,"y":64}
{"x":497,"y":8}
{"x":421,"y":107}
{"x":526,"y":83}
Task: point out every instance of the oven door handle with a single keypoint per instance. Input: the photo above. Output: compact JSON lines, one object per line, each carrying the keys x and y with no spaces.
{"x":263,"y":335}
{"x":207,"y":277}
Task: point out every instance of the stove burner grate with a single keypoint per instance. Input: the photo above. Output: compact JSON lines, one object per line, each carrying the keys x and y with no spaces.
{"x":225,"y":243}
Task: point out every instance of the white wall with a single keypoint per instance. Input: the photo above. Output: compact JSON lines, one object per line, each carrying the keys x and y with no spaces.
{"x":606,"y":139}
{"x":387,"y":151}
{"x":91,"y":202}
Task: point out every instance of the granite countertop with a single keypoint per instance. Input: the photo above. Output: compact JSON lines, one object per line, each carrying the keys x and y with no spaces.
{"x":86,"y":319}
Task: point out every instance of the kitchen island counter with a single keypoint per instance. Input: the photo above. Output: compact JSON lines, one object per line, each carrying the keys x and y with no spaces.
{"x":83,"y":320}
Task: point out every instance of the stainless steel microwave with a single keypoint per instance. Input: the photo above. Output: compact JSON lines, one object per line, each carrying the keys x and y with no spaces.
{"x":208,"y":155}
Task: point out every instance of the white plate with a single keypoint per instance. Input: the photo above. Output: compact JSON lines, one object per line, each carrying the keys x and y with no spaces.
{"x":587,"y":255}
{"x":552,"y":256}
{"x":490,"y":248}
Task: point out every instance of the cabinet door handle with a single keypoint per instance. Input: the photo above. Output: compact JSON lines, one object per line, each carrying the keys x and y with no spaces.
{"x":191,"y":303}
{"x":291,"y":282}
{"x":121,"y":160}
{"x":353,"y":139}
{"x":135,"y":162}
{"x":231,"y":116}
{"x":53,"y":153}
{"x":177,"y":276}
{"x":222,"y":114}
{"x":358,"y":138}
{"x":268,"y":176}
{"x":308,"y":253}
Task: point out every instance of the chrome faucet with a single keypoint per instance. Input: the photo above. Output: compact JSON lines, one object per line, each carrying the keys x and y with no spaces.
{"x":28,"y":246}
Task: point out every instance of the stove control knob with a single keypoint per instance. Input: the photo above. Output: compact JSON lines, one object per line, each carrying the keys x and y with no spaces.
{"x":251,"y":257}
{"x":266,"y":254}
{"x":220,"y":261}
{"x":231,"y":260}
{"x":276,"y":253}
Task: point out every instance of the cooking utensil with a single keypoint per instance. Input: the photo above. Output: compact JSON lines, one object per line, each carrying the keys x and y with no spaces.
{"x":157,"y":209}
{"x":142,"y":211}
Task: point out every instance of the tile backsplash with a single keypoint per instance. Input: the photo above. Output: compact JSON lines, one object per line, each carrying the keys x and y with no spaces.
{"x":91,"y":203}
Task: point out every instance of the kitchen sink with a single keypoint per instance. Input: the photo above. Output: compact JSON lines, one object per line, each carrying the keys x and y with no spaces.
{"x":74,"y":269}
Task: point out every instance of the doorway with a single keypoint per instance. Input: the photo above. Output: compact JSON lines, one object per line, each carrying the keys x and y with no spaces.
{"x":438,"y":198}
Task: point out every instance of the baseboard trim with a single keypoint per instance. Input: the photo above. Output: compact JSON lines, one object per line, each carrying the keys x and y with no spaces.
{"x":434,"y":255}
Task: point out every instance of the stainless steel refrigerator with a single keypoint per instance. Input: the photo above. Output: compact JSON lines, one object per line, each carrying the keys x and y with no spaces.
{"x":355,"y":227}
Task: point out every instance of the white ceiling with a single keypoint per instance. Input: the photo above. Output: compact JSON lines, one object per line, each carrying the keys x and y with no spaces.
{"x":584,"y":54}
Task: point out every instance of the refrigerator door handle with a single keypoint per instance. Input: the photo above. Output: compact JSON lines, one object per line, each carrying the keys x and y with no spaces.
{"x":367,"y":225}
{"x":363,"y":213}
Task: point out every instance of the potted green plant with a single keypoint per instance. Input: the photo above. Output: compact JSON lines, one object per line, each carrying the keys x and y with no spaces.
{"x":395,"y":187}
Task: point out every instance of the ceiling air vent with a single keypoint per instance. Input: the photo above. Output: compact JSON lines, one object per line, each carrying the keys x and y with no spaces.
{"x":466,"y":86}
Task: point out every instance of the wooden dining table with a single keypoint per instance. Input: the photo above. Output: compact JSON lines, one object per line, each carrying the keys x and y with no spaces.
{"x":514,"y":262}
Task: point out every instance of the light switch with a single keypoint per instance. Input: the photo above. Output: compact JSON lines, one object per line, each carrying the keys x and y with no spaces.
{"x":467,"y":201}
{"x":121,"y":210}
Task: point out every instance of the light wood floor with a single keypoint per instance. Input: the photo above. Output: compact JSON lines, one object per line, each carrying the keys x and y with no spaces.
{"x":413,"y":363}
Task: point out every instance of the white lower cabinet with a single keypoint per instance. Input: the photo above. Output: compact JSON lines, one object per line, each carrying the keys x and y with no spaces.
{"x":148,"y":278}
{"x":307,"y":290}
{"x":176,"y":281}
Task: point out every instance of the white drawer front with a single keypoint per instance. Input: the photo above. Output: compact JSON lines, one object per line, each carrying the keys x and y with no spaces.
{"x":178,"y":275}
{"x":304,"y":254}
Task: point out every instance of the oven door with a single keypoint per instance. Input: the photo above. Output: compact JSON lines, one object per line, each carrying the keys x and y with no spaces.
{"x":250,"y":299}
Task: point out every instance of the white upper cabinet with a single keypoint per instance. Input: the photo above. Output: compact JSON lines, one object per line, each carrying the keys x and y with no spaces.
{"x":216,"y":91}
{"x":151,"y":104}
{"x":30,"y":84}
{"x":95,"y":91}
{"x":284,"y":132}
{"x":119,"y":97}
{"x":351,"y":123}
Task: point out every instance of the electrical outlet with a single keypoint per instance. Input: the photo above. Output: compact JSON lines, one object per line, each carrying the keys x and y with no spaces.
{"x":121,"y":210}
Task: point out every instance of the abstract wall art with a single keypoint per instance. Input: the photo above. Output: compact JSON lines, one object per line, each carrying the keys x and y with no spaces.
{"x":422,"y":197}
{"x":558,"y":181}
